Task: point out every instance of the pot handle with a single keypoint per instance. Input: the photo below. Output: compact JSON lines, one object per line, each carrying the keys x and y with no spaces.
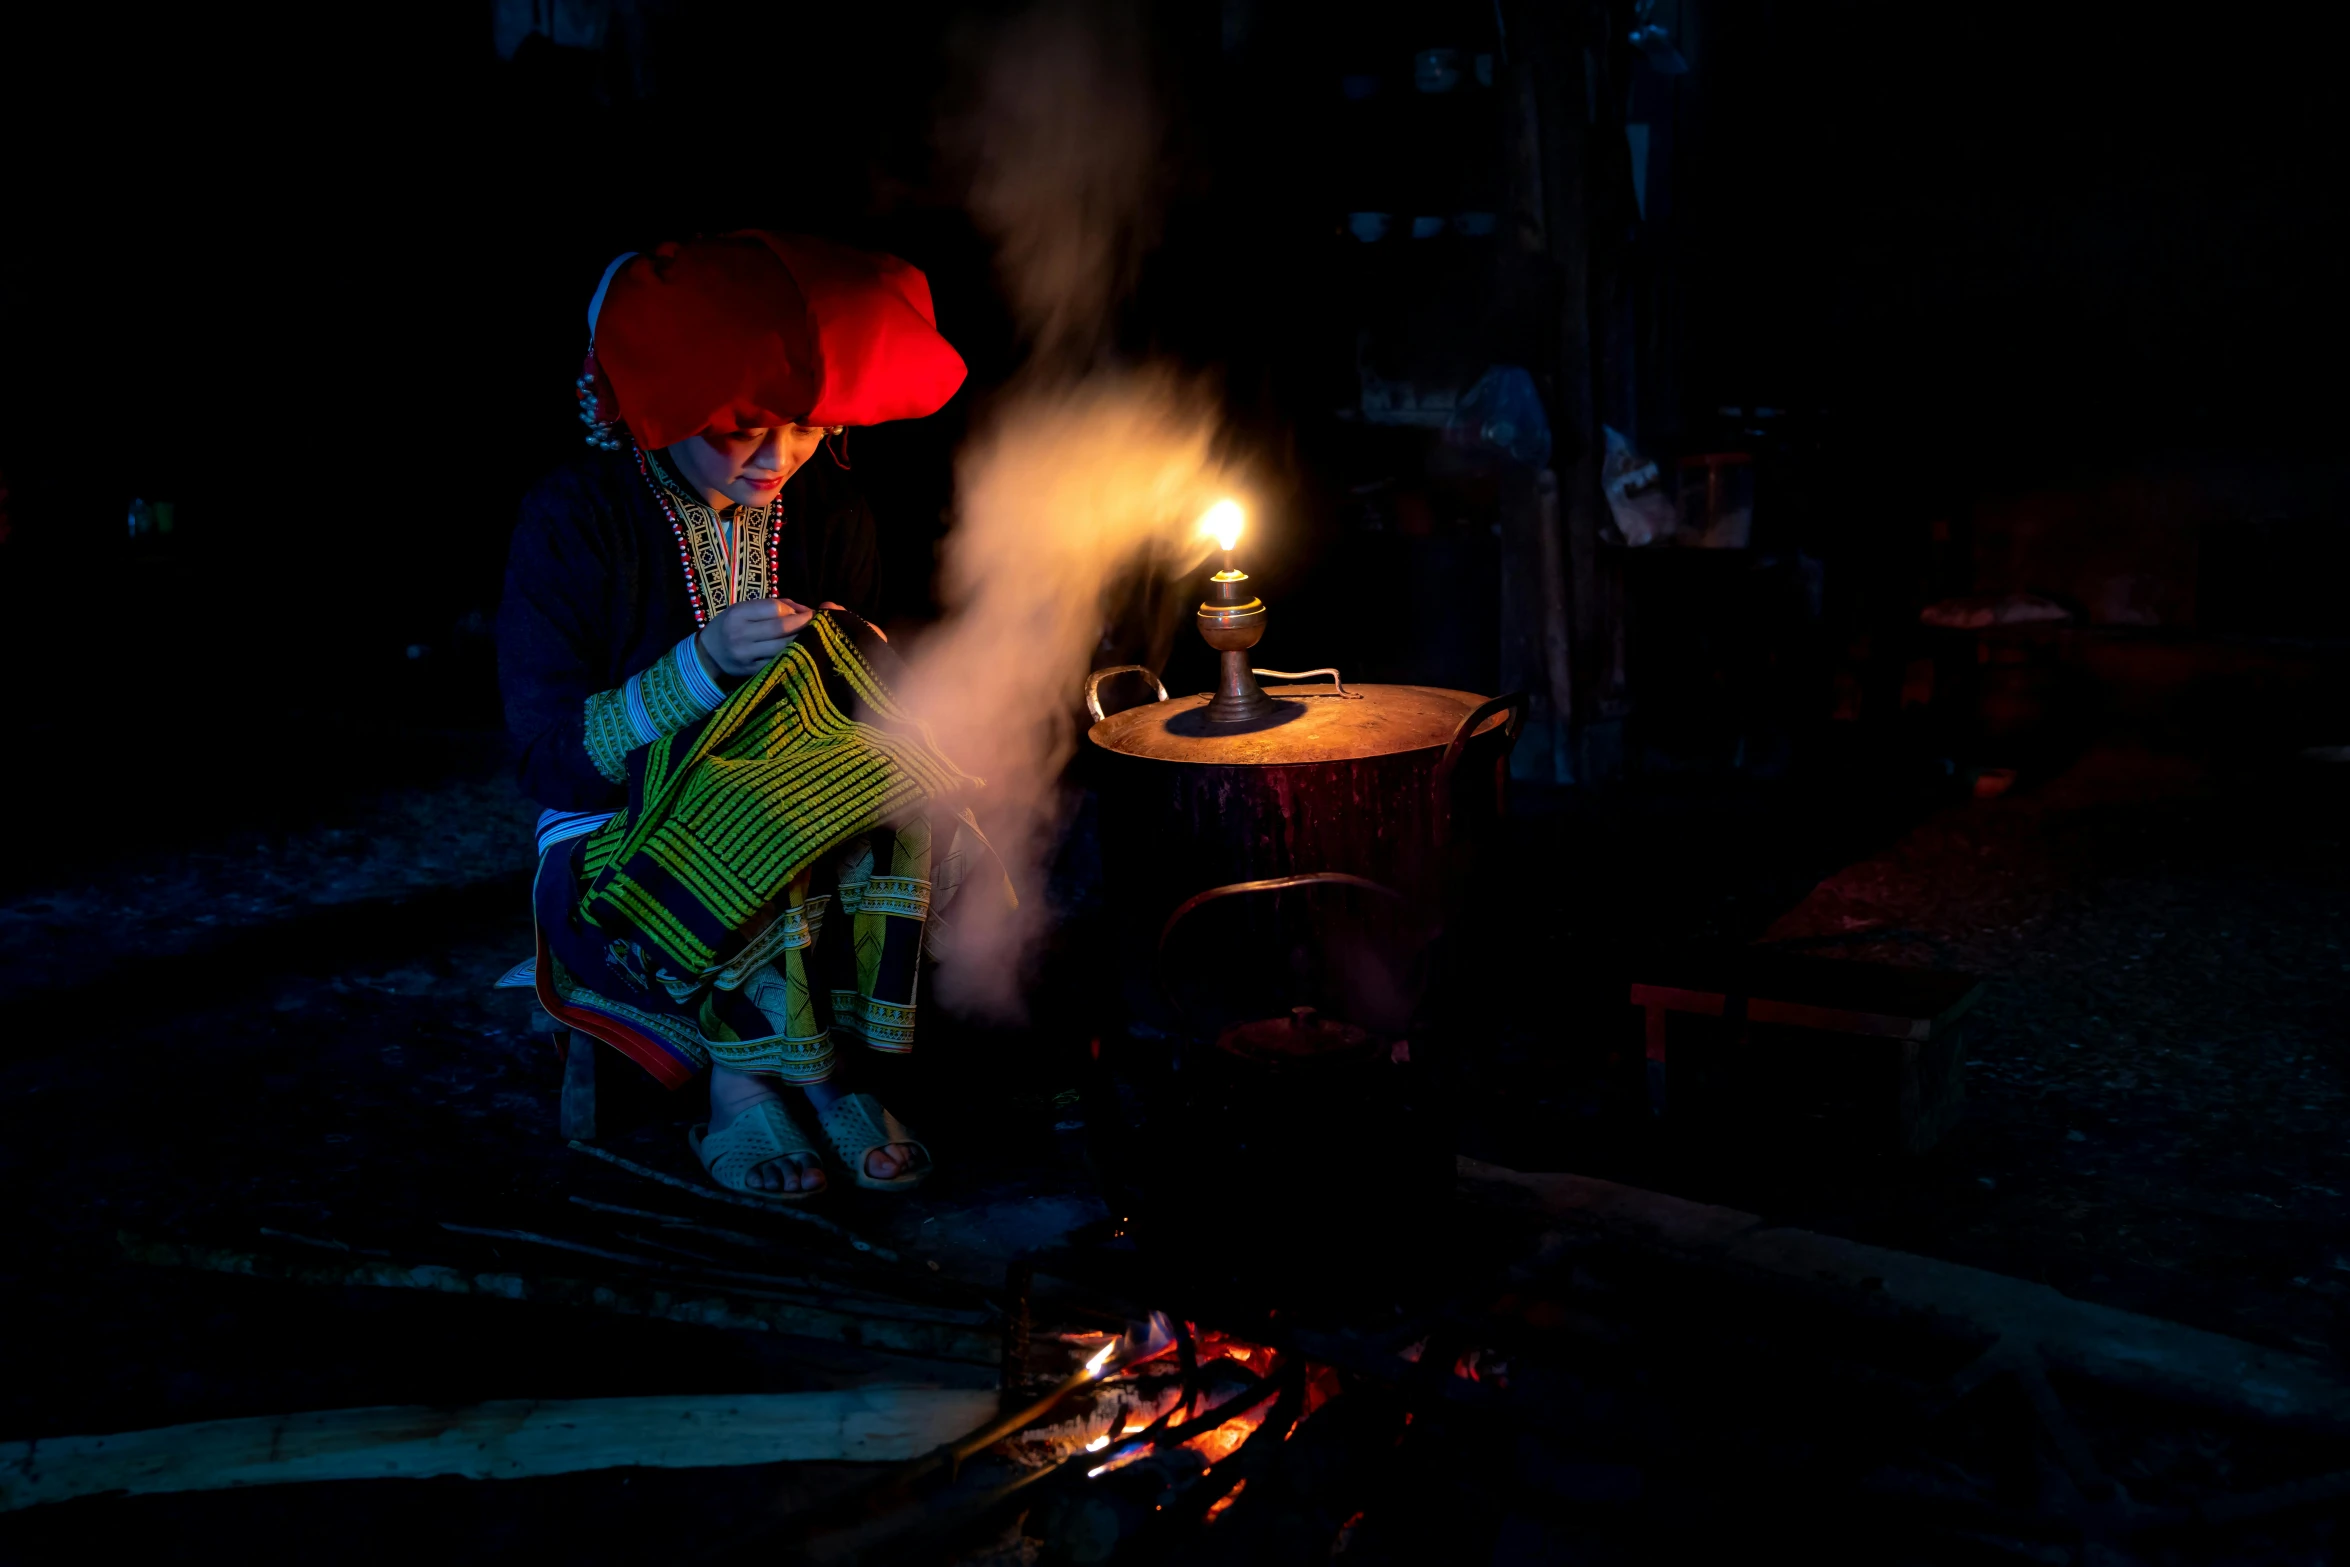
{"x":1093,"y":687}
{"x":1198,"y":900}
{"x":1441,"y":785}
{"x":1309,"y":674}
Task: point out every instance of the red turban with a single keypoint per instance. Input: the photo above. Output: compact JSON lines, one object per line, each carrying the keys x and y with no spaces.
{"x":753,"y":329}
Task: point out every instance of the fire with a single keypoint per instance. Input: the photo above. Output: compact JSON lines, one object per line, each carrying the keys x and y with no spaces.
{"x":1223,"y":1441}
{"x":1223,"y":522}
{"x":1216,"y":1507}
{"x":1227,"y":1436}
{"x":1222,"y":1346}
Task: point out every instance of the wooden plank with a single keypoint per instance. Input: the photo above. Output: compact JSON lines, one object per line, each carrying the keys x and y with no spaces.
{"x":1702,"y":1003}
{"x":1846,"y":984}
{"x":2145,"y":1355}
{"x":976,"y":1342}
{"x":1832,"y":995}
{"x":1831,"y":1020}
{"x":497,"y":1441}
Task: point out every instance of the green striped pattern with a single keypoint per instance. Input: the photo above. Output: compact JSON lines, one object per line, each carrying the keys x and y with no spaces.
{"x":736,"y":807}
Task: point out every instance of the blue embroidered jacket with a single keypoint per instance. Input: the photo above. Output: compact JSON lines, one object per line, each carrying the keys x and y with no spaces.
{"x":596,"y":593}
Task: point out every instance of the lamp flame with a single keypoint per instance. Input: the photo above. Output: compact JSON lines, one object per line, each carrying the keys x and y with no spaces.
{"x":1223,"y":522}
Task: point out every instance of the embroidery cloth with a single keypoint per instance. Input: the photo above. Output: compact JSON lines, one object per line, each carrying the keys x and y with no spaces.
{"x":771,"y":881}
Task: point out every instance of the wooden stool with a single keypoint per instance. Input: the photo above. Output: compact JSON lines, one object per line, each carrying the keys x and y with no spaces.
{"x":1914,"y":1089}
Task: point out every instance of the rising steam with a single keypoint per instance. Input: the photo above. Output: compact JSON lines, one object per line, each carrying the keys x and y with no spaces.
{"x":1059,"y":500}
{"x":1082,"y":473}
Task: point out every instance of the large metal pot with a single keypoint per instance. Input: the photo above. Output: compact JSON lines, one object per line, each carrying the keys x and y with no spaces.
{"x":1264,"y":1143}
{"x":1376,"y":781}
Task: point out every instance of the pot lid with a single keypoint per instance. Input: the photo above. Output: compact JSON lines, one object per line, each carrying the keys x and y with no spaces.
{"x":1300,"y":1039}
{"x":1313,"y":724}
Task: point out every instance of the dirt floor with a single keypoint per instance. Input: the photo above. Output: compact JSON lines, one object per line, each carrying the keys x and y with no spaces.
{"x":2155,"y":1076}
{"x":274,"y":1040}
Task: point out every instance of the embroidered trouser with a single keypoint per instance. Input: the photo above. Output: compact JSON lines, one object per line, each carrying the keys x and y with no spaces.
{"x":839,"y":962}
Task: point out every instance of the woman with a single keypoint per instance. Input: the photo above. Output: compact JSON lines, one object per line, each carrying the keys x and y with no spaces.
{"x":737,"y":852}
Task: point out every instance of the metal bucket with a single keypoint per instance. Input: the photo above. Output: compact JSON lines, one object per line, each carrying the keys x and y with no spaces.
{"x":1264,"y":1143}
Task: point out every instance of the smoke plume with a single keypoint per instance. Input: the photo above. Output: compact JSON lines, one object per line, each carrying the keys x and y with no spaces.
{"x":1081,"y":473}
{"x":1064,"y":148}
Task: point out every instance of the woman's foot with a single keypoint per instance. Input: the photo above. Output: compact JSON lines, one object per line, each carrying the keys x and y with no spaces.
{"x":732,"y":1093}
{"x":885,"y":1163}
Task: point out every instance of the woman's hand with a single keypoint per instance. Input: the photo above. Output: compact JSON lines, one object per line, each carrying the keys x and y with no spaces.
{"x":745,"y":638}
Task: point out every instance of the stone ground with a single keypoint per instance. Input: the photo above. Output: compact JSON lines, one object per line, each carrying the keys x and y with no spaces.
{"x":255,"y":1034}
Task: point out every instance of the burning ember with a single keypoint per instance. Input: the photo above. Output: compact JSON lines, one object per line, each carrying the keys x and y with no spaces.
{"x":1226,"y":1438}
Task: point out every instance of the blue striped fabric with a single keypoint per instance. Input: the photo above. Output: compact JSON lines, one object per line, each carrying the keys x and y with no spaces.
{"x":562,"y":826}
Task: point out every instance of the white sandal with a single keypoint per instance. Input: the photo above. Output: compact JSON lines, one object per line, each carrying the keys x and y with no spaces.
{"x":760,"y":1135}
{"x":856,"y":1125}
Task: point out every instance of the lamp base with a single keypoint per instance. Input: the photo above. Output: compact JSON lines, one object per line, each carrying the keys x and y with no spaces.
{"x":1238,"y":699}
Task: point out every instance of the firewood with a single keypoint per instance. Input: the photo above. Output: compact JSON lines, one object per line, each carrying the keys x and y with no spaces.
{"x":812,"y":1291}
{"x":779,"y":1210}
{"x":499,"y":1441}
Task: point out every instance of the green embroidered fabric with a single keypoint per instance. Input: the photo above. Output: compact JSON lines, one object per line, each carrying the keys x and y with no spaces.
{"x":733,"y":808}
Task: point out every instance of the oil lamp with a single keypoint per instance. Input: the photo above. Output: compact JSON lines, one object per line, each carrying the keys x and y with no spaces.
{"x":1232,"y":620}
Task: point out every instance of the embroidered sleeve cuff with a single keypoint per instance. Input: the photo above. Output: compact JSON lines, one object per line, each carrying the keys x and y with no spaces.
{"x":698,"y":684}
{"x":610,"y":734}
{"x":658,"y":701}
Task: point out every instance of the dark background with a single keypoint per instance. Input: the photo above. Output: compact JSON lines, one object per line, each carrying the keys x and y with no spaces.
{"x":2000,"y":299}
{"x":320,"y":283}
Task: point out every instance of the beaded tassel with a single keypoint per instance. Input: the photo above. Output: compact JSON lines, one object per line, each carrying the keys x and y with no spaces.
{"x":685,"y":558}
{"x":603,"y":434}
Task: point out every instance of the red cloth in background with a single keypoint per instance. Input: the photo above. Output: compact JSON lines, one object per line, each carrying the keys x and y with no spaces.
{"x":749,"y":330}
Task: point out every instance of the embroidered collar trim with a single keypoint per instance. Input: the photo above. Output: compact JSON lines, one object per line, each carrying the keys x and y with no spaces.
{"x":701,"y":545}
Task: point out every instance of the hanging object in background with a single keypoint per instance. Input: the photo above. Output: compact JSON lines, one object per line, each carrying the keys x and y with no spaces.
{"x":1436,"y":70}
{"x":1652,"y":39}
{"x":149,"y":519}
{"x":567,"y":24}
{"x":1369,"y":227}
{"x":1717,"y":500}
{"x":1636,"y":499}
{"x":1501,"y":415}
{"x":1427,"y":227}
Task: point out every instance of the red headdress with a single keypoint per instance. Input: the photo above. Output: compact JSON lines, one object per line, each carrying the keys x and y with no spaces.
{"x":753,"y":329}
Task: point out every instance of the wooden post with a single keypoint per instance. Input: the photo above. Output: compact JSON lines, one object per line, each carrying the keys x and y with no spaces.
{"x":1536,"y":625}
{"x":1556,"y":92}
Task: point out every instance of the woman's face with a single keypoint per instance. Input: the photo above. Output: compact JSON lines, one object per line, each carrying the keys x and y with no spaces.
{"x":746,"y":467}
